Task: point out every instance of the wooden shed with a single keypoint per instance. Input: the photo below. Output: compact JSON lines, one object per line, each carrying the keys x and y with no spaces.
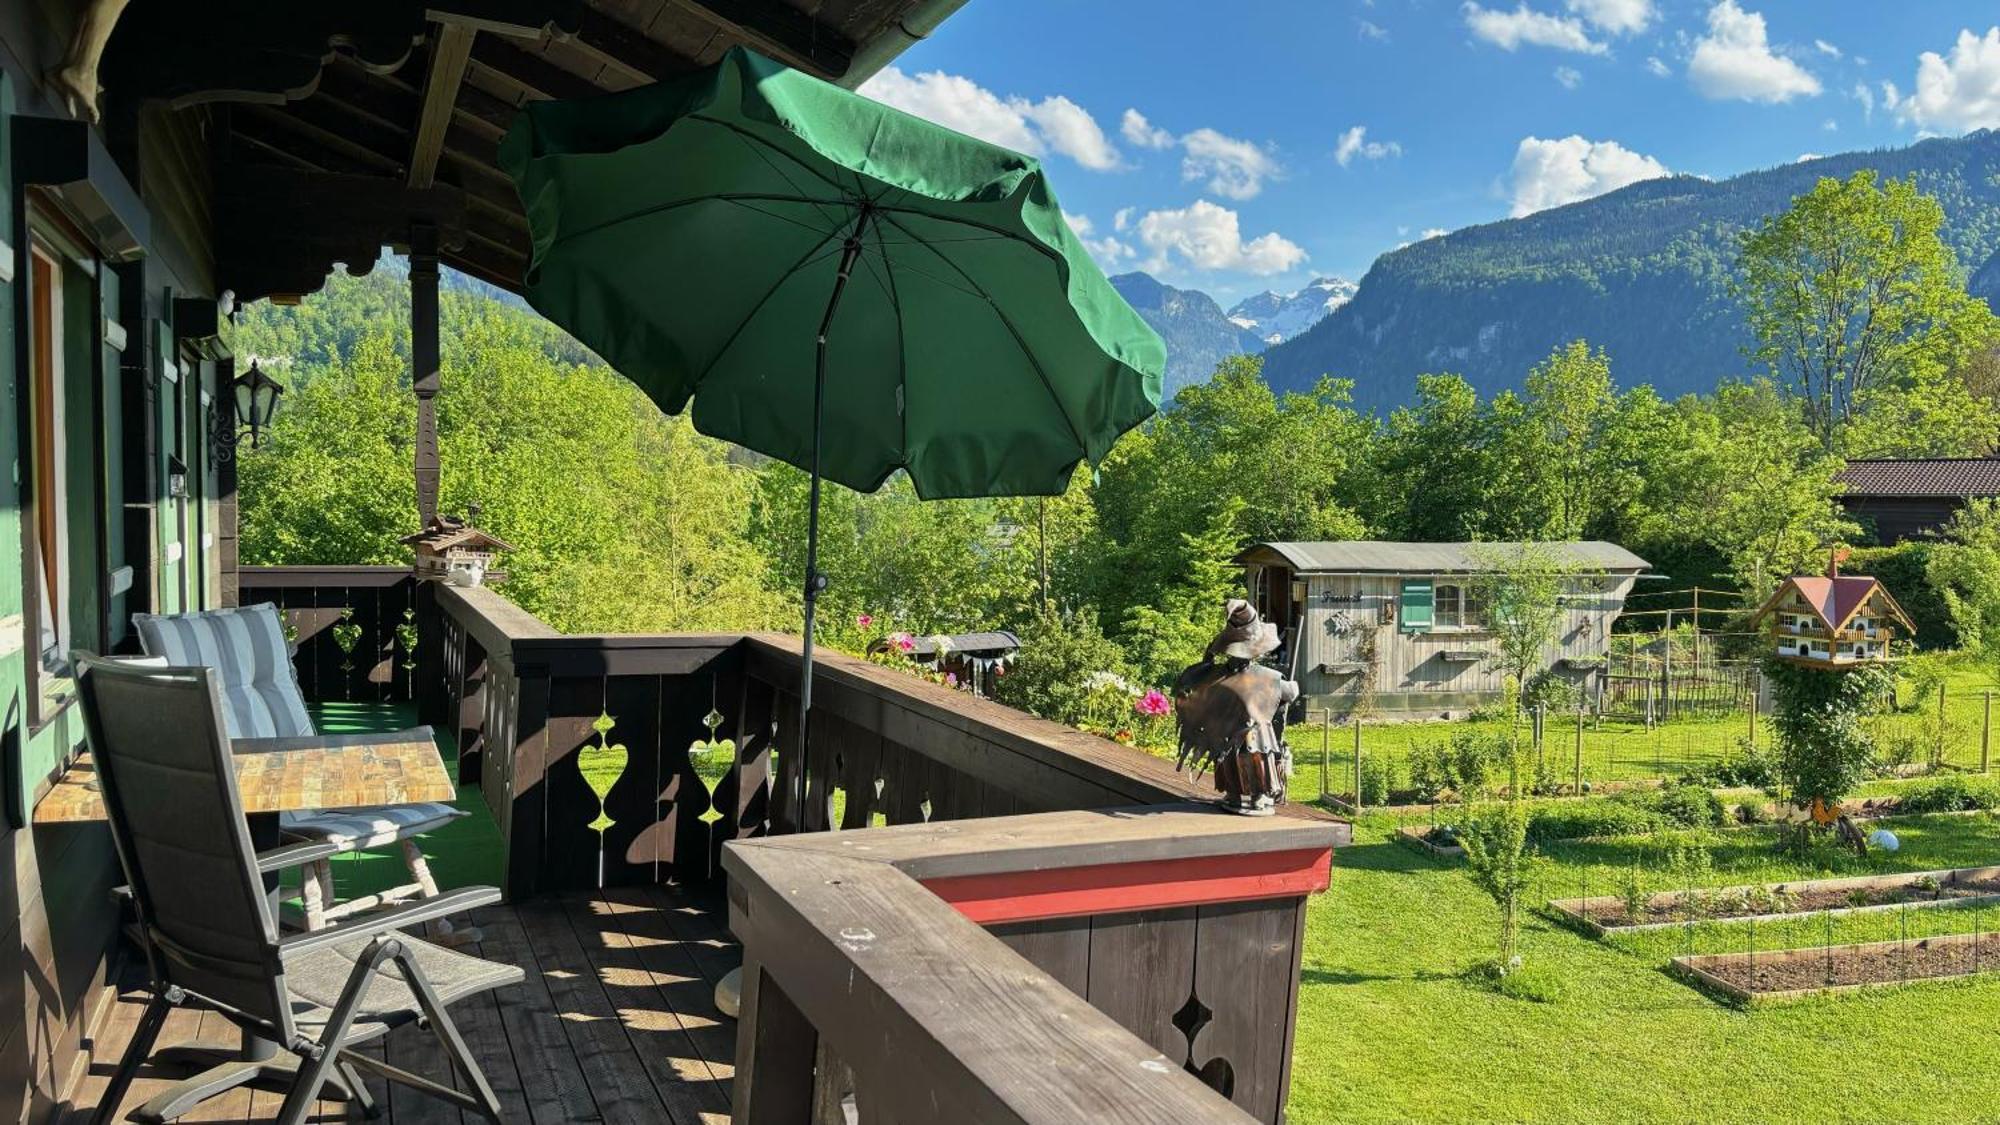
{"x":1398,"y":628}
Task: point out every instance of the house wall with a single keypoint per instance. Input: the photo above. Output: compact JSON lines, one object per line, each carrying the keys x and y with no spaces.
{"x":57,"y":921}
{"x":1357,"y":620}
{"x":1896,"y":519}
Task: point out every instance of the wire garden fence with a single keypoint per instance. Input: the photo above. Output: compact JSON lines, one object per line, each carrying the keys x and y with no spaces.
{"x":1357,"y":762}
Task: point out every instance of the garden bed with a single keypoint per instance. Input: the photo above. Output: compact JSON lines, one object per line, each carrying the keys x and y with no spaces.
{"x":1608,"y":914}
{"x":1797,"y":973}
{"x":1418,"y":836}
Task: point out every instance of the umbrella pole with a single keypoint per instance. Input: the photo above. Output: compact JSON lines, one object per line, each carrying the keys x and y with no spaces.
{"x":815,"y":581}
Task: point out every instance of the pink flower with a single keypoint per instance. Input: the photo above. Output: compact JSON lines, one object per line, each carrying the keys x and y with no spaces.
{"x":863,"y":621}
{"x":951,"y":679}
{"x":1154,"y":702}
{"x":904,"y":643}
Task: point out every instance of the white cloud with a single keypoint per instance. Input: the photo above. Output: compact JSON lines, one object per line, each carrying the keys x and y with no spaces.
{"x":1109,"y":251}
{"x":1232,"y":167}
{"x":1620,"y":17}
{"x":1122,"y":218}
{"x":1550,"y":173}
{"x":1866,"y":97}
{"x":1354,"y":142}
{"x":1830,"y":125}
{"x":1826,"y":48}
{"x":1735,"y":60}
{"x":1656,"y":67}
{"x":1509,"y":30}
{"x":1805,"y":156}
{"x":1435,"y":232}
{"x":1207,"y":236}
{"x":1569,"y":76}
{"x":1054,"y":124}
{"x":1071,"y":130}
{"x":1959,"y":93}
{"x":1143,"y":133}
{"x":1368,"y":29}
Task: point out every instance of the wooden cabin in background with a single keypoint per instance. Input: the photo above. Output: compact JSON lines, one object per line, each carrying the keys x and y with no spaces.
{"x":1398,"y":628}
{"x":1911,"y":499}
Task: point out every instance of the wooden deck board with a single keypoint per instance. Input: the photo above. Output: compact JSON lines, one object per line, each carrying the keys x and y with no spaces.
{"x":597,"y":1032}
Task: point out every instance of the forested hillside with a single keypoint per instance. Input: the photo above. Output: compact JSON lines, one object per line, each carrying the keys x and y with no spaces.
{"x":1642,"y":272}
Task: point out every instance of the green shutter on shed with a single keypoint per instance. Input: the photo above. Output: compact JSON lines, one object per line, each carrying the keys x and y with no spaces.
{"x":1418,"y":602}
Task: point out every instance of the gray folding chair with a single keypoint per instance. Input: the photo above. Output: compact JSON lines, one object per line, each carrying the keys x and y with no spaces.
{"x":208,"y":926}
{"x":261,"y":699}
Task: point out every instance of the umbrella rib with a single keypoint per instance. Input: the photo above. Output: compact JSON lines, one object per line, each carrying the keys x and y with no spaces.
{"x":1019,"y":342}
{"x":662,"y":208}
{"x":1035,"y":244}
{"x":805,"y":260}
{"x":763,"y":149}
{"x":902,"y":346}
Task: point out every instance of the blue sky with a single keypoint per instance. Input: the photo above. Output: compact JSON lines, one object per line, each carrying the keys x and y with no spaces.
{"x":1246,"y":172}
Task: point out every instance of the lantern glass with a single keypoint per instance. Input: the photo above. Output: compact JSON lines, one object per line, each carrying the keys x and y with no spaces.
{"x":256,"y":396}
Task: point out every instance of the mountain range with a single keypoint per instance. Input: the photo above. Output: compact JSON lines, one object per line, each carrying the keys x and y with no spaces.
{"x":1642,"y":272}
{"x":1199,"y":334}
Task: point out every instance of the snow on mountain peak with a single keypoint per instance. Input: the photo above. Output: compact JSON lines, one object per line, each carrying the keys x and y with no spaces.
{"x":1277,"y":317}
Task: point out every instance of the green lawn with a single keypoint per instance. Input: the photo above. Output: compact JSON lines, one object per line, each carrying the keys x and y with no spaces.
{"x":1388,"y":1030}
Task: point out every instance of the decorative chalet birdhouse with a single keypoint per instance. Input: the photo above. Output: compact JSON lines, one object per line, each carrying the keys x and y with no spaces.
{"x":451,"y":550}
{"x":1835,"y":620}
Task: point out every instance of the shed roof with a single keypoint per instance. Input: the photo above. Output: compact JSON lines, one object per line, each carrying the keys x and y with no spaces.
{"x":1931,"y":476}
{"x":1380,"y":557}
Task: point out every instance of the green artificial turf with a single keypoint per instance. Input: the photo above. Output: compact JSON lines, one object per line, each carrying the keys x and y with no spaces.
{"x":1388,"y":1030}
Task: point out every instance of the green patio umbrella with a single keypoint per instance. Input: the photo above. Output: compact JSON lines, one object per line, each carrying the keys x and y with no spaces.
{"x":830,"y":282}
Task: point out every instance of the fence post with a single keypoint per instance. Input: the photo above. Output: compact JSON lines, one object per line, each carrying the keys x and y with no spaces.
{"x":1986,"y":735}
{"x":1578,"y":787}
{"x":1357,"y":765}
{"x":1325,"y":748}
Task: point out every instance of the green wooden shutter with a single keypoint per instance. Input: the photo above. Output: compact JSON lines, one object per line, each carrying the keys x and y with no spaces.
{"x":1418,"y":603}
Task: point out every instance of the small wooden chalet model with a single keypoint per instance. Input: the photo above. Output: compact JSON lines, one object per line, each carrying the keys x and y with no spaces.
{"x":452,"y":550}
{"x":1834,"y":620}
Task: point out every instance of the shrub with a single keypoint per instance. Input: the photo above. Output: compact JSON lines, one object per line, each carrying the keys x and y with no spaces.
{"x":1950,"y":793}
{"x":1463,"y":764}
{"x":1064,"y":658}
{"x":1745,"y":765}
{"x":1576,"y":820}
{"x":1374,"y":783}
{"x":1557,"y":693}
{"x":1689,"y":806}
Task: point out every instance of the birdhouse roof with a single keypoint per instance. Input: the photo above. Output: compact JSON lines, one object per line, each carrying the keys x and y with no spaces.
{"x":446,"y":532}
{"x":1835,"y":599}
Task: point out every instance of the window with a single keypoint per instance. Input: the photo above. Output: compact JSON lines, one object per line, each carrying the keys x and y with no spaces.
{"x":1449,"y":609}
{"x":45,"y":523}
{"x":1416,"y":603}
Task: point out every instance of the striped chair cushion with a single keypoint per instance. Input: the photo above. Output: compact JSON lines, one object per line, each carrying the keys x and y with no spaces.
{"x":369,"y":828}
{"x":260,"y":692}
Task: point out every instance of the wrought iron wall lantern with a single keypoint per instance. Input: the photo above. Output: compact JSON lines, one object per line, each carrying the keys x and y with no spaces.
{"x":255,"y":398}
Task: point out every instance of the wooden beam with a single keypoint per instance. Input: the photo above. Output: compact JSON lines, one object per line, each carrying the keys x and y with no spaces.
{"x":780,"y":31}
{"x":451,"y":49}
{"x":625,"y":50}
{"x":530,"y":72}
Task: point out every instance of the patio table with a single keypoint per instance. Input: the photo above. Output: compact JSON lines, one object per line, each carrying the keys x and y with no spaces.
{"x":277,"y":775}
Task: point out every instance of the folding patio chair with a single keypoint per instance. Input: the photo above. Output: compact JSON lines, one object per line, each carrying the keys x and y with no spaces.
{"x":261,"y":698}
{"x":208,"y":929}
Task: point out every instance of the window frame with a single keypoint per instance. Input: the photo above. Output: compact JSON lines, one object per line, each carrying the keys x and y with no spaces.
{"x":47,"y":576}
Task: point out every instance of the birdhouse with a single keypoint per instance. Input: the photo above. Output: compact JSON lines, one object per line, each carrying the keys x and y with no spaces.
{"x":1833,"y":620}
{"x":453,"y":551}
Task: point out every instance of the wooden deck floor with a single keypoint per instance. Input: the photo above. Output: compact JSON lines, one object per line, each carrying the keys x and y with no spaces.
{"x":616,"y":1021}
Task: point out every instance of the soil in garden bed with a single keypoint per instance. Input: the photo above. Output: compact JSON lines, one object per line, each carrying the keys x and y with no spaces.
{"x":1874,"y":964}
{"x":1728,"y":903}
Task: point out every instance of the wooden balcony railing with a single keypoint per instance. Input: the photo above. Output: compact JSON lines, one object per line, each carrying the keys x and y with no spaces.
{"x":1140,"y":966}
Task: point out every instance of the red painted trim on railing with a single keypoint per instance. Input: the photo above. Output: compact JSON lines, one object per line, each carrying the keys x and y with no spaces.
{"x":1116,"y":888}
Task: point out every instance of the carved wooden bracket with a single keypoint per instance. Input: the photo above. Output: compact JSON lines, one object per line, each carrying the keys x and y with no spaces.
{"x":279,"y":232}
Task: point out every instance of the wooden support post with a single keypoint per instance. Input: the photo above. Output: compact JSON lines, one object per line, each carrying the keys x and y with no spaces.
{"x":424,"y":364}
{"x":1578,"y":787}
{"x":775,"y":1049}
{"x":1325,"y":749}
{"x":1357,"y":765}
